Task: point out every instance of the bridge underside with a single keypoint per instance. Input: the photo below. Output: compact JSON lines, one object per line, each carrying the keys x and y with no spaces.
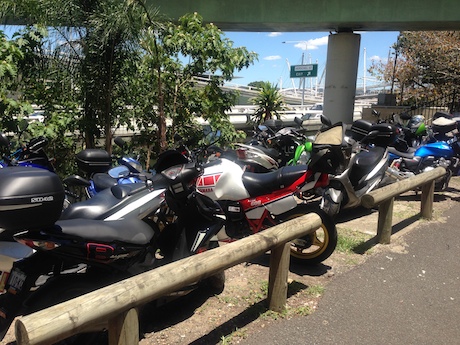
{"x":313,"y":15}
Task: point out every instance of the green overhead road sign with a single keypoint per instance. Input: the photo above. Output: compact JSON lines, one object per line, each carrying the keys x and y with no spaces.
{"x":304,"y":71}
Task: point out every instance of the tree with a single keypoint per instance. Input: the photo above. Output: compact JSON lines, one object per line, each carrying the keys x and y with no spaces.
{"x":117,"y":63}
{"x":269,"y":102}
{"x":257,"y":84}
{"x":184,"y":68}
{"x":424,"y":64}
{"x":12,"y":104}
{"x":84,"y":65}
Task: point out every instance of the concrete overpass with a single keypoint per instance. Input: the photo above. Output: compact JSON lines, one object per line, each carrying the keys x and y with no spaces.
{"x":342,"y":18}
{"x":323,"y":15}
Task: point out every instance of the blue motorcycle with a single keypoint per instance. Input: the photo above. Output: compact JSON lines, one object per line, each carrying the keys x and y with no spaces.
{"x":96,"y":164}
{"x":31,"y":154}
{"x":406,"y":161}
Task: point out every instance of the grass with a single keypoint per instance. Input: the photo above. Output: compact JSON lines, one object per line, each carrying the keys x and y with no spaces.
{"x":353,"y":242}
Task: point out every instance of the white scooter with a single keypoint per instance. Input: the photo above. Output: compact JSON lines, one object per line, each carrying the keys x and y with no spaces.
{"x":363,"y":163}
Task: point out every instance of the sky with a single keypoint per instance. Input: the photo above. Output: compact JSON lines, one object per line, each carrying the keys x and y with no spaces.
{"x":274,"y":55}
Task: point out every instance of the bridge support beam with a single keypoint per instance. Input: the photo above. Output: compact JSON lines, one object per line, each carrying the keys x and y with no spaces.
{"x":341,"y":76}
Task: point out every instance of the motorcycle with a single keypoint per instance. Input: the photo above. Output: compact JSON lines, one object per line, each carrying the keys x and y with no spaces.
{"x":78,"y":255}
{"x":29,"y":154}
{"x":252,"y":202}
{"x":269,"y":149}
{"x":407,"y":162}
{"x":362,"y":161}
{"x":99,"y":175}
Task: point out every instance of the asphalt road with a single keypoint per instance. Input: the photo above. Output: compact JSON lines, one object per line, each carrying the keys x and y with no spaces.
{"x":409,"y":295}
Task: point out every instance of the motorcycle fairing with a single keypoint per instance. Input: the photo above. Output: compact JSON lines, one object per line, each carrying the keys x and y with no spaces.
{"x":120,"y":201}
{"x":130,"y":230}
{"x":363,"y":163}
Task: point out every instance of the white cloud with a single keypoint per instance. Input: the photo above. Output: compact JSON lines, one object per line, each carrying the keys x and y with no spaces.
{"x":274,"y":34}
{"x":312,"y":44}
{"x":272,"y":57}
{"x":377,"y":58}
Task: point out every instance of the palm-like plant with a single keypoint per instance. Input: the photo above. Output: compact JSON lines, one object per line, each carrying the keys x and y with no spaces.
{"x":269,"y":102}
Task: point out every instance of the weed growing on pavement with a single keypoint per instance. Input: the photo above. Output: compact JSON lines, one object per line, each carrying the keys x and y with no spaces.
{"x":315,"y":290}
{"x":228,"y":339}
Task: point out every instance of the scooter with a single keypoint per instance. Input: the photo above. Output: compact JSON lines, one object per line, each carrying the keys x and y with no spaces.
{"x":363,"y":160}
{"x":79,"y":255}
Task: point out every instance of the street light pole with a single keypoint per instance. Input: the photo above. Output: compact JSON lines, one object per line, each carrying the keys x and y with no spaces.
{"x":303,"y":78}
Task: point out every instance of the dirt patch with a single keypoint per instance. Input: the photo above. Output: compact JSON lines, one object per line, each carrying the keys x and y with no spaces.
{"x":241,"y":310}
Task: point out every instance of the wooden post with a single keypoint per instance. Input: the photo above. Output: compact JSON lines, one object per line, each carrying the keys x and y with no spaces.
{"x":426,"y":205}
{"x":278,"y":277}
{"x":124,"y":328}
{"x":385,"y":221}
{"x":71,"y":317}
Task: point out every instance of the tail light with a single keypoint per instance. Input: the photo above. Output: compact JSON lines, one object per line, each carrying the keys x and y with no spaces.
{"x":41,"y":245}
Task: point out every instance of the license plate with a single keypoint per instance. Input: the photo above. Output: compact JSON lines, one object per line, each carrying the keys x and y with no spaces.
{"x":16,"y":281}
{"x":3,"y":278}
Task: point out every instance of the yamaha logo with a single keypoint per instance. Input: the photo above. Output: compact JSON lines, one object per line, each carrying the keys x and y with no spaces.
{"x":42,"y":199}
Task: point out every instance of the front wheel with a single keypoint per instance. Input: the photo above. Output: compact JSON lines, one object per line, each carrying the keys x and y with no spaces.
{"x":317,"y":246}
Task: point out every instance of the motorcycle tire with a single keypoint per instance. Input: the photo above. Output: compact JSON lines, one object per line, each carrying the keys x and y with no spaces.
{"x":317,"y":246}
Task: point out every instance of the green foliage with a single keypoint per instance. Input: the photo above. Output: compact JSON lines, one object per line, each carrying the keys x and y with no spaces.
{"x":12,"y":105}
{"x":186,"y":65}
{"x":117,"y":63}
{"x":269,"y":102}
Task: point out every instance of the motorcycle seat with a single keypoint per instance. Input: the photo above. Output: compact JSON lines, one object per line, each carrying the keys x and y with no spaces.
{"x":264,"y":183}
{"x":103,"y":181}
{"x":99,"y":205}
{"x":131,"y":230}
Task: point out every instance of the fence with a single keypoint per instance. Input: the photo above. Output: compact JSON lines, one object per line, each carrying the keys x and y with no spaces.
{"x":117,"y":303}
{"x":384,"y":198}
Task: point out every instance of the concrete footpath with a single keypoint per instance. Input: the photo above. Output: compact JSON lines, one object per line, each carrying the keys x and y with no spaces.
{"x":406,"y":296}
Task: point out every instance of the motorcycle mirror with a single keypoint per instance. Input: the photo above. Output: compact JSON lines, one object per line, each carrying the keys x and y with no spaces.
{"x":177,"y":137}
{"x":22,"y":125}
{"x":325,"y":121}
{"x":4,"y":140}
{"x":119,"y":172}
{"x":119,"y":141}
{"x":298,"y":121}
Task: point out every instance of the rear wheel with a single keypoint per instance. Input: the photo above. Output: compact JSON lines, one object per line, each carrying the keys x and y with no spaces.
{"x":316,"y":246}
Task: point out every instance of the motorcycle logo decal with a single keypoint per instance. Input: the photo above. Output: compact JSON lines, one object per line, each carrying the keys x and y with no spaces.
{"x":255,"y":202}
{"x":207,"y":184}
{"x":42,"y":199}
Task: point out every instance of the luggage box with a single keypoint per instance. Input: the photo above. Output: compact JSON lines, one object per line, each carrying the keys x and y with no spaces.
{"x":388,"y":134}
{"x":93,"y":161}
{"x":360,"y":128}
{"x":30,"y":198}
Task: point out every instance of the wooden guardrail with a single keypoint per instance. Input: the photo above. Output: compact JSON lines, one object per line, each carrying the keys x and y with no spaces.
{"x":117,"y":303}
{"x":384,"y":198}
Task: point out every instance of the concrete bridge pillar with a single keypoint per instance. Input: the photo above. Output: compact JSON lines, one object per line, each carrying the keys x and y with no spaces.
{"x":341,"y":75}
